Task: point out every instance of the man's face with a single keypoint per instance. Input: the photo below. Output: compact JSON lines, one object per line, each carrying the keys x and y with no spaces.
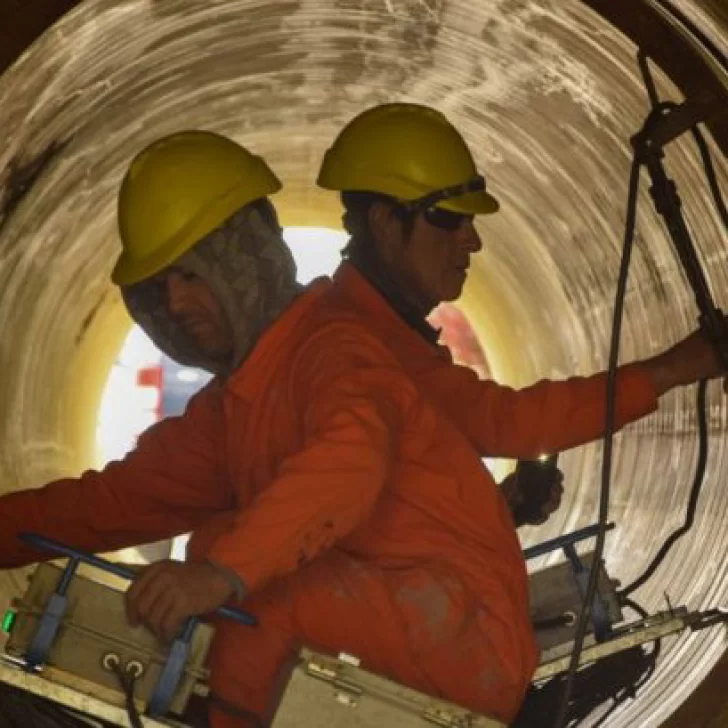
{"x":433,"y":261}
{"x":193,"y":304}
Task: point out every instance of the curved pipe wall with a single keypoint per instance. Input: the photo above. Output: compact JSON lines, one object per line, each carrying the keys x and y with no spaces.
{"x":547,"y":98}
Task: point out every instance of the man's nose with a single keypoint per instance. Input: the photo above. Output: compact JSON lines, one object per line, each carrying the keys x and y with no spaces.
{"x":176,"y":293}
{"x":469,"y":238}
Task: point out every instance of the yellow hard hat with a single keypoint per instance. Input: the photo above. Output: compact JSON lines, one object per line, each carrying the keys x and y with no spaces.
{"x":176,"y":191}
{"x":410,"y":152}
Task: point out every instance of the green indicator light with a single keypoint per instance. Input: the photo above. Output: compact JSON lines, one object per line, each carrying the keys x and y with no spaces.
{"x":9,"y":621}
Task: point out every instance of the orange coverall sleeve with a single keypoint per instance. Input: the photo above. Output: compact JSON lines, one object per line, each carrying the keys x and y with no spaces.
{"x":354,"y":405}
{"x":547,"y":417}
{"x":168,"y":485}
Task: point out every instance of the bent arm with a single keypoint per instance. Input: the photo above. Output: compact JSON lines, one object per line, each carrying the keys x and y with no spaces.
{"x":354,"y":410}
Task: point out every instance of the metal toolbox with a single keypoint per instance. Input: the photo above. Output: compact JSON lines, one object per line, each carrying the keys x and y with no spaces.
{"x":72,"y":641}
{"x":94,"y":635}
{"x":337,"y":693}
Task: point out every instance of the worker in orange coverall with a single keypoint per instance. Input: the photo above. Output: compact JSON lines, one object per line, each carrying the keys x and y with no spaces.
{"x":331,"y":474}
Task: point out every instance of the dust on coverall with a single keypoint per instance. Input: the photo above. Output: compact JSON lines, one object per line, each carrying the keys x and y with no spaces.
{"x":349,"y":496}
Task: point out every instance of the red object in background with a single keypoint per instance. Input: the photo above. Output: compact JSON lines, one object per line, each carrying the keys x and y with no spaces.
{"x":152,"y":376}
{"x":458,"y":335}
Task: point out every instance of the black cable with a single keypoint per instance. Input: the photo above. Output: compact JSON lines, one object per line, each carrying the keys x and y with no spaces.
{"x":630,"y":225}
{"x":657,"y":645}
{"x":707,"y":42}
{"x":692,"y":501}
{"x":706,"y":159}
{"x":617,"y":677}
{"x":711,"y":175}
{"x":658,"y":109}
{"x":128,"y":681}
{"x":630,"y":692}
{"x":649,"y":81}
{"x":710,"y":618}
{"x":635,"y":607}
{"x":701,"y":398}
{"x":561,"y":620}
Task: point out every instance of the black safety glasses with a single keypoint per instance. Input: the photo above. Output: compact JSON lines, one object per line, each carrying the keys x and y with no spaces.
{"x":446,"y":219}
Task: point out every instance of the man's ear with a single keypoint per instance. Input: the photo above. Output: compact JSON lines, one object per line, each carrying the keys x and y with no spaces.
{"x":385,"y":226}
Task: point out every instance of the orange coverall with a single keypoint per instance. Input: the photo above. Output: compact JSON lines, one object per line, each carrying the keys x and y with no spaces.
{"x":338,"y":472}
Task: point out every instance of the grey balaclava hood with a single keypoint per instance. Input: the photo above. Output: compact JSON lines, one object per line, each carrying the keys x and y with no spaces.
{"x":250,"y":269}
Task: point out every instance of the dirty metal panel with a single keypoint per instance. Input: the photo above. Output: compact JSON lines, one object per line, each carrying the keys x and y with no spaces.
{"x":338,"y":694}
{"x":93,"y":628}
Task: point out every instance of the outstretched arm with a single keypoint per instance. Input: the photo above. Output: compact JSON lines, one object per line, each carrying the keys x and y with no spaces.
{"x":168,"y":485}
{"x":552,"y":416}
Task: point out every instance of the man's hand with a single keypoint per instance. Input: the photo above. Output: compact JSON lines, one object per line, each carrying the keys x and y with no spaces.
{"x":517,"y":497}
{"x":167,"y":592}
{"x":690,"y":360}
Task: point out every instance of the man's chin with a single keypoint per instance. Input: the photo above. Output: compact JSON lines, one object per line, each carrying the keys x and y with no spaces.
{"x":207,"y":348}
{"x":216,"y":353}
{"x":452,"y":293}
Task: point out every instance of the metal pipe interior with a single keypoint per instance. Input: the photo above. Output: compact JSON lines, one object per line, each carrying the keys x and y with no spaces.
{"x":546,"y":96}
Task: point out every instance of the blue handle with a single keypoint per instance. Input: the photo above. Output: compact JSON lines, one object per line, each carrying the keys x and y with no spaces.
{"x":47,"y":544}
{"x":172,"y":672}
{"x":566,"y":540}
{"x":599,"y":610}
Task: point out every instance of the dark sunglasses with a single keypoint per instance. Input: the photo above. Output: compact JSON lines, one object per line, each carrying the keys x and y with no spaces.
{"x":445,"y":219}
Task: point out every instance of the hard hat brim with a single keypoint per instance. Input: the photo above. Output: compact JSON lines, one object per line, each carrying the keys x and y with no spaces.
{"x":474,"y":203}
{"x":129,"y":271}
{"x":471,"y":203}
